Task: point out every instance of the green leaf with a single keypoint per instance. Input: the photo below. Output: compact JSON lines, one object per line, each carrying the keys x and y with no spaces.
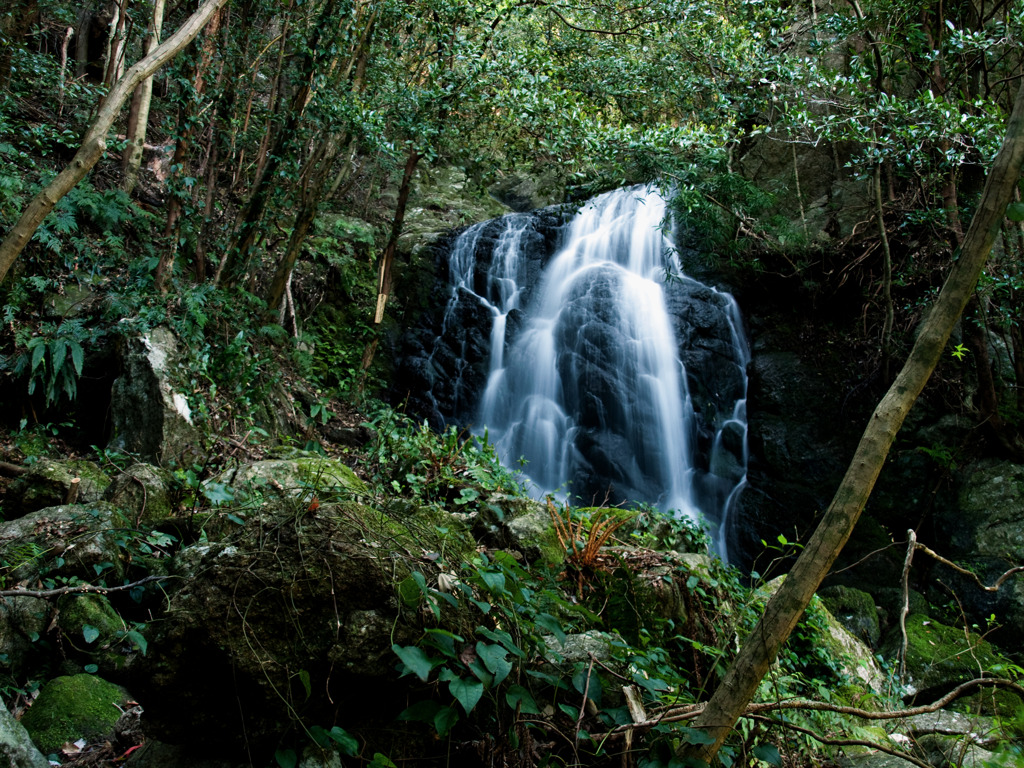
{"x":695,"y":736}
{"x":494,"y":580}
{"x":503,"y":637}
{"x":137,"y":638}
{"x":466,"y":691}
{"x":306,"y":683}
{"x":415,"y":660}
{"x":445,"y":719}
{"x":1015,"y":211}
{"x":77,"y":356}
{"x":519,"y":696}
{"x":769,"y":753}
{"x":422,"y":711}
{"x":90,"y":633}
{"x":494,"y":658}
{"x":552,"y":625}
{"x":346,"y":742}
{"x":286,"y":758}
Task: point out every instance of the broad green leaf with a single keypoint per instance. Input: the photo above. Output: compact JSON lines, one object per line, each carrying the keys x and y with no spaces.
{"x":286,"y":758}
{"x":695,"y":736}
{"x":494,"y":658}
{"x":137,"y":638}
{"x":77,"y":356}
{"x":424,"y":711}
{"x":503,"y":637}
{"x":552,"y":625}
{"x":90,"y":633}
{"x":519,"y":696}
{"x":494,"y":580}
{"x":467,"y":691}
{"x":445,"y":719}
{"x":415,"y":660}
{"x":346,"y":742}
{"x":1015,"y":211}
{"x":769,"y":753}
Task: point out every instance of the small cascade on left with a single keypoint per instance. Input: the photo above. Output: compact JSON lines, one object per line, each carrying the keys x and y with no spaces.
{"x":592,"y":361}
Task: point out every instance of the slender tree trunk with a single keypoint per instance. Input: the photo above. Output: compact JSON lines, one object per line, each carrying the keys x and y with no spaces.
{"x":786,"y":607}
{"x":179,"y":161}
{"x":318,"y":169}
{"x":114,"y":60}
{"x":138,"y":113}
{"x":95,"y":141}
{"x":388,"y":257}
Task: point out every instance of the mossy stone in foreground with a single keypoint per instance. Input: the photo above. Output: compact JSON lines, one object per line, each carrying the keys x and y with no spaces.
{"x":71,"y":708}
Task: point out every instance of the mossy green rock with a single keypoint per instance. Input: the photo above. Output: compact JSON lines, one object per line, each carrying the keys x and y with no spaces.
{"x":71,"y":708}
{"x":93,"y":632}
{"x":298,"y":478}
{"x":143,"y":492}
{"x":48,"y":482}
{"x":855,"y":610}
{"x":940,"y":657}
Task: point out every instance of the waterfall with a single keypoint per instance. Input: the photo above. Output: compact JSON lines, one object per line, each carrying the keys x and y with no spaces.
{"x":615,"y":377}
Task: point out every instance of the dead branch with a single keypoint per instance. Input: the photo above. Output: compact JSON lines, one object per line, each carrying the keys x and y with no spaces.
{"x":80,"y":589}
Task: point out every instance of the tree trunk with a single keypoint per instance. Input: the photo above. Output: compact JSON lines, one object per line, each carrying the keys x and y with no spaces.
{"x":318,"y":168}
{"x":95,"y":141}
{"x":786,"y":607}
{"x":138,"y":113}
{"x":388,"y":257}
{"x":179,"y":161}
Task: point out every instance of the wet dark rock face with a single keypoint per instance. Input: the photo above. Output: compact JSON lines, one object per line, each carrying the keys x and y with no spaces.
{"x":440,"y":364}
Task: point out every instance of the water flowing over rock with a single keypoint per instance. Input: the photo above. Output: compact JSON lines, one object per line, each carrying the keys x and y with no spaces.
{"x":592,"y":358}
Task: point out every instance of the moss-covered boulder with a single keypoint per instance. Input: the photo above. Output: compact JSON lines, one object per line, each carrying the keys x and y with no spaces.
{"x":143,"y":492}
{"x":72,"y":708}
{"x":49,"y":483}
{"x":940,"y":657}
{"x":92,"y":632}
{"x":855,"y":610}
{"x":301,"y":478}
{"x":72,"y":539}
{"x":294,"y":613}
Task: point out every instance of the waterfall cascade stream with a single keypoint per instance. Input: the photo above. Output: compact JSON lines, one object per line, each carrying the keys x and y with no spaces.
{"x":615,"y":377}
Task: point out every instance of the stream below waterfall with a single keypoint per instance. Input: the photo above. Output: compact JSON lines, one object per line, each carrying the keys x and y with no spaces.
{"x":593,"y":362}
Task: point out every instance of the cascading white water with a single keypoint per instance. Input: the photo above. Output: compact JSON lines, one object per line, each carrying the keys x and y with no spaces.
{"x":592,"y":388}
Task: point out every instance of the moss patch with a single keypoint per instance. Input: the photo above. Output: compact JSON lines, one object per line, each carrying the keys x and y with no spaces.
{"x":70,"y":708}
{"x":941,"y":657}
{"x":855,"y":610}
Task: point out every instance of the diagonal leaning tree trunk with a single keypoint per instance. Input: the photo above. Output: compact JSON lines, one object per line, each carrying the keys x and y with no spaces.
{"x":788,"y":604}
{"x":95,"y":142}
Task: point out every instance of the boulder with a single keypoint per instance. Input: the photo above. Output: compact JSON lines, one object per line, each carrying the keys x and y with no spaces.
{"x":144,"y":493}
{"x":16,"y":747}
{"x":984,"y":531}
{"x":940,"y":657}
{"x":80,"y":540}
{"x":23,"y":620}
{"x":151,"y":417}
{"x":50,"y":482}
{"x":292,"y":615}
{"x":855,"y":610}
{"x":71,"y":708}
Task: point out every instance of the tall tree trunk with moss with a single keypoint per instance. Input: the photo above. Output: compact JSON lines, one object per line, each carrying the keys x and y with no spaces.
{"x":786,"y":607}
{"x":94,"y":144}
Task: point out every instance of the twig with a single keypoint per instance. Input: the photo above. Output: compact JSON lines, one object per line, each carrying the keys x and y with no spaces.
{"x":81,"y":589}
{"x":905,"y":608}
{"x":586,"y":692}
